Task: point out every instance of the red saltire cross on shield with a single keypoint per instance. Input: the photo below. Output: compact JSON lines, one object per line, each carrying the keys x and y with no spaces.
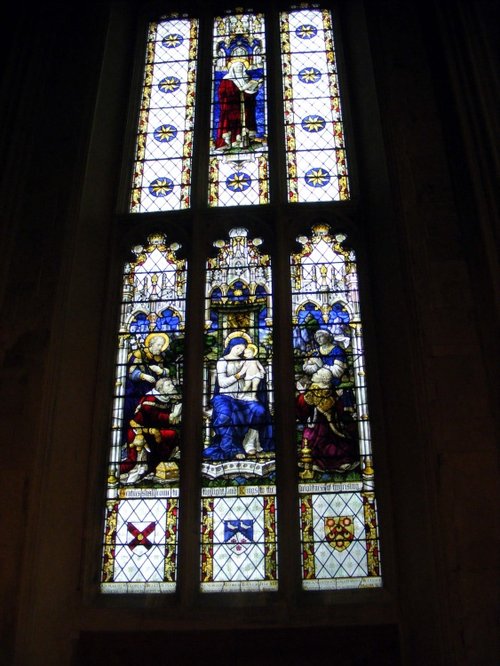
{"x":140,"y":536}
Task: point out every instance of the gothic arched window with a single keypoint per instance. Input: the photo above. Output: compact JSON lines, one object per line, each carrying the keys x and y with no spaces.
{"x":244,"y":292}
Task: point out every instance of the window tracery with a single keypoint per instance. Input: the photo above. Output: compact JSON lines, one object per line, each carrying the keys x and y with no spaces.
{"x":239,"y":476}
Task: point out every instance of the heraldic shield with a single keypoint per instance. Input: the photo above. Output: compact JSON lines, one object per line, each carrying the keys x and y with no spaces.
{"x":339,"y":531}
{"x":238,"y":534}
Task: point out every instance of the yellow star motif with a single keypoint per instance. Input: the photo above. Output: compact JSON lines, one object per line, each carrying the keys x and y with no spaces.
{"x":169,"y":84}
{"x":317,"y":177}
{"x":161,"y":187}
{"x":165,"y":133}
{"x":238,"y":182}
{"x":309,"y":75}
{"x":306,"y":31}
{"x":313,"y":123}
{"x":171,"y":41}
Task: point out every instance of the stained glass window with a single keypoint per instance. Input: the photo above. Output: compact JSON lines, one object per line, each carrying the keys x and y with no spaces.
{"x":316,"y":156}
{"x":140,"y":540}
{"x":239,"y":127}
{"x":328,"y":433}
{"x":238,"y":535}
{"x":336,"y":484}
{"x":238,"y":173}
{"x":162,"y":172}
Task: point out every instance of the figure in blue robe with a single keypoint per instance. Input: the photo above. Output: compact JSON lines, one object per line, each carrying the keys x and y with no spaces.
{"x":237,"y":415}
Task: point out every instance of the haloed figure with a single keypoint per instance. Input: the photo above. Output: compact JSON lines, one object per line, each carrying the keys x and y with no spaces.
{"x":251,"y":372}
{"x":237,"y":411}
{"x":237,"y":123}
{"x":146,"y":366}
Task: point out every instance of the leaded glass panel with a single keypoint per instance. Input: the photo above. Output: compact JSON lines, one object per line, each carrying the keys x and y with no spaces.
{"x":238,"y":171}
{"x":238,"y":513}
{"x":336,"y":479}
{"x":162,"y":170}
{"x":315,"y":150}
{"x":238,"y":508}
{"x":140,"y":540}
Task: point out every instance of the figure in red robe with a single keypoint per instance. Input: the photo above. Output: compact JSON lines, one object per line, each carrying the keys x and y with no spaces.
{"x":152,"y":436}
{"x":237,"y":124}
{"x":330,"y":432}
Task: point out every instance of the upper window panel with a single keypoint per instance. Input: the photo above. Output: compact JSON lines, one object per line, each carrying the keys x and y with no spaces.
{"x":237,"y":162}
{"x":315,"y":151}
{"x":162,"y":172}
{"x":238,"y":172}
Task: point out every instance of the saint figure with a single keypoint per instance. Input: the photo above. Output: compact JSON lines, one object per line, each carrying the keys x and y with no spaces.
{"x":329,"y":430}
{"x":237,"y":123}
{"x":152,"y":435}
{"x":236,"y":409}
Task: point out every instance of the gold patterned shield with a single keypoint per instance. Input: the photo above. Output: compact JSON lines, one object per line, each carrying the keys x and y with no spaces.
{"x":339,"y":531}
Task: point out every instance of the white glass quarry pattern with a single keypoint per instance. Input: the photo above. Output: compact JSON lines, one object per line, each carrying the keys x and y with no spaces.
{"x":336,"y":551}
{"x":145,"y":546}
{"x":315,"y":150}
{"x":336,"y":478}
{"x":239,"y":543}
{"x":238,"y":512}
{"x":162,"y":170}
{"x":142,"y":506}
{"x":238,"y":170}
